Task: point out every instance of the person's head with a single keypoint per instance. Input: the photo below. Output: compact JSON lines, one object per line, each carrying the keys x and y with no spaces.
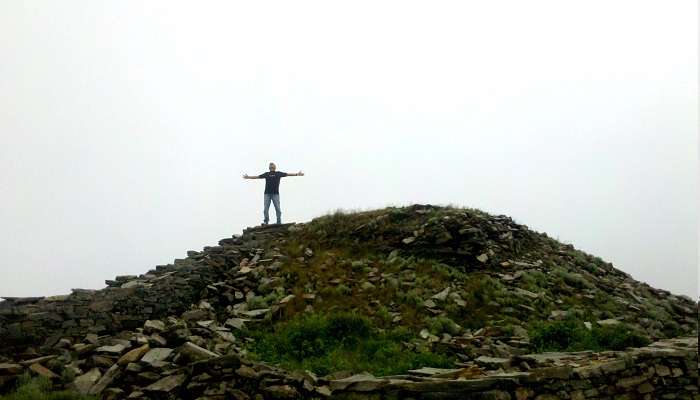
{"x":273,"y":167}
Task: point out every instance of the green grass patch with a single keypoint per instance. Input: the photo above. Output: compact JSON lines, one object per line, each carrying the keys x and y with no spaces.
{"x":39,"y":388}
{"x":572,"y":335}
{"x":341,"y":342}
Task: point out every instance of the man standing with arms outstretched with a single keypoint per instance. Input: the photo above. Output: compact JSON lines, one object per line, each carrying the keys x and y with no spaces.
{"x":272,"y":193}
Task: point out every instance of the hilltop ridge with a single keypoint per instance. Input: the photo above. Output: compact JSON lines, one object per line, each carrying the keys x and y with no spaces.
{"x":387,"y":291}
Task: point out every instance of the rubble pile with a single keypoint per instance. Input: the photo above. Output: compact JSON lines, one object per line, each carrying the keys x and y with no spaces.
{"x":182,"y":330}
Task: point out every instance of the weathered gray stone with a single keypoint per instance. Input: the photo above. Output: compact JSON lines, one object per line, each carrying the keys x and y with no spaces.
{"x":607,"y":322}
{"x":442,"y":296}
{"x":256,"y":313}
{"x":37,"y":360}
{"x":192,"y":352}
{"x":631,"y":381}
{"x":195,"y":315}
{"x":43,"y":371}
{"x":493,"y":362}
{"x":367,"y":286}
{"x":526,"y":293}
{"x":10,"y":369}
{"x":612,"y":367}
{"x":560,"y":372}
{"x":156,"y":355}
{"x":166,"y":384}
{"x":133,"y":355}
{"x":247,"y":372}
{"x":116,"y":349}
{"x":662,"y":370}
{"x":237,"y":323}
{"x":645,"y":387}
{"x":151,"y":326}
{"x":358,"y":383}
{"x":109,"y":376}
{"x":429,"y":371}
{"x":282,"y":392}
{"x":84,"y":382}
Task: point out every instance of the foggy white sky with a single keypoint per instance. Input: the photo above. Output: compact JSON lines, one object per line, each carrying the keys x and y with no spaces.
{"x":125,"y":126}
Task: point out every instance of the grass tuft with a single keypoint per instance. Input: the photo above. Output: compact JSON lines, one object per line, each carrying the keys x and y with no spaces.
{"x":342,"y":341}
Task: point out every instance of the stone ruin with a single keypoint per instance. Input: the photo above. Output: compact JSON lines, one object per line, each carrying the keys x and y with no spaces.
{"x":162,"y":335}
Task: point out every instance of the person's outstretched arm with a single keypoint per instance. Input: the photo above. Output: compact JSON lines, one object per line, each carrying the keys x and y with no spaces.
{"x":297,"y":174}
{"x":246,"y":176}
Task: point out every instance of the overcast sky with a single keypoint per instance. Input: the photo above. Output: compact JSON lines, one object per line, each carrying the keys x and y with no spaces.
{"x":125,"y":126}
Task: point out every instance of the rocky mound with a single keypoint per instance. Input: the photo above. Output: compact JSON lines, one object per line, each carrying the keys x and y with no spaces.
{"x":288,"y":311}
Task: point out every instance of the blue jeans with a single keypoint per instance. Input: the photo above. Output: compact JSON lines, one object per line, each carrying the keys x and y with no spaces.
{"x":276,"y":201}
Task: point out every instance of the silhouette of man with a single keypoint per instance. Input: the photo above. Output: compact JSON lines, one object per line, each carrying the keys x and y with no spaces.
{"x":272,"y":193}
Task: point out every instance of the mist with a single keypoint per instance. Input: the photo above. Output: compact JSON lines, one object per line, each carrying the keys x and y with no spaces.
{"x":126,"y":127}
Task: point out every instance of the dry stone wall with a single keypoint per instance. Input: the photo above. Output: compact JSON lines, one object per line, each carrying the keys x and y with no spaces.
{"x":125,"y":304}
{"x":44,"y":321}
{"x":666,"y":369}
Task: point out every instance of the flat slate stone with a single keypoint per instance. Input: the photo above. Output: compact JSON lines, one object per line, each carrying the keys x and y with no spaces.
{"x":84,"y":382}
{"x":359,"y":383}
{"x":37,"y":360}
{"x":256,"y":313}
{"x":282,"y":392}
{"x":115,"y":349}
{"x":43,"y":371}
{"x":196,"y":353}
{"x":133,"y":355}
{"x":153,"y":326}
{"x":607,"y":322}
{"x":428,"y":371}
{"x":110,"y":375}
{"x":10,"y":369}
{"x":166,"y":384}
{"x":237,"y":323}
{"x":156,"y":355}
{"x":493,"y":362}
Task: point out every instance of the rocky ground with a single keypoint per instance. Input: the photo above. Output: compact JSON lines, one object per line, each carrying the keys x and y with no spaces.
{"x":476,"y":288}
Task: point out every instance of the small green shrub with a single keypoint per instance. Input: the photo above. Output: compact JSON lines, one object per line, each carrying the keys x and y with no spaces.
{"x":347,"y":327}
{"x":342,"y":290}
{"x":567,"y":335}
{"x":442,"y":324}
{"x":572,"y":335}
{"x":446,"y":271}
{"x":618,"y":337}
{"x":534,"y":280}
{"x":256,"y":303}
{"x":591,"y":267}
{"x":412,"y":297}
{"x":573,"y":280}
{"x":383,"y":314}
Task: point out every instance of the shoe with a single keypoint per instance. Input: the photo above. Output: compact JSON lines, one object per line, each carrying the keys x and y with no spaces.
{"x":263,"y":224}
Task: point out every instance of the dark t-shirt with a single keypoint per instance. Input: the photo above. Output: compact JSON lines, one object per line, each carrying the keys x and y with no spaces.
{"x":272,"y":181}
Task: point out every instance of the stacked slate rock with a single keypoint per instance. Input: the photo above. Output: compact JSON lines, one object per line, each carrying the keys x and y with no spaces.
{"x":177,"y":331}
